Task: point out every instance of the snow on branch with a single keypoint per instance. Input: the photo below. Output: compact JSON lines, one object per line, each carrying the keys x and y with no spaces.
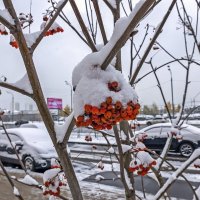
{"x":28,"y":180}
{"x":6,"y":18}
{"x":62,"y":130}
{"x":177,"y":173}
{"x":22,"y":86}
{"x":112,"y":3}
{"x":123,"y":28}
{"x":31,"y":38}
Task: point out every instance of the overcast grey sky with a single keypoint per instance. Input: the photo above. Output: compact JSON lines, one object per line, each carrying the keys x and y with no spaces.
{"x":57,"y":55}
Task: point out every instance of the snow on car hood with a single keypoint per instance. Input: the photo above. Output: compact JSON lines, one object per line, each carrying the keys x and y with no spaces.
{"x":44,"y":147}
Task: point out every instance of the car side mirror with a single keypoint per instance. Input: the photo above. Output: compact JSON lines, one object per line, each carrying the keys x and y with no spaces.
{"x":19,"y":143}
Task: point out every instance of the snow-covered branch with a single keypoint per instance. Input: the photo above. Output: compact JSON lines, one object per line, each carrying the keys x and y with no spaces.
{"x":177,"y":173}
{"x":63,"y":131}
{"x":16,"y":89}
{"x":40,"y":37}
{"x":123,"y":29}
{"x":82,"y":25}
{"x":6,"y":19}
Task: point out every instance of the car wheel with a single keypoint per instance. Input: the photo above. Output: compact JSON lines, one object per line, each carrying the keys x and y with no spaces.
{"x":186,"y":149}
{"x":10,"y":150}
{"x":29,"y":163}
{"x":148,"y":123}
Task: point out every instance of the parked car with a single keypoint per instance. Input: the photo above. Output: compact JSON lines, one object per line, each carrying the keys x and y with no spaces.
{"x":156,"y":119}
{"x":157,"y":135}
{"x":33,"y":145}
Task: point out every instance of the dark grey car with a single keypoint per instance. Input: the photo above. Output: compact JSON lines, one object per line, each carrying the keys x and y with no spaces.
{"x":157,"y":135}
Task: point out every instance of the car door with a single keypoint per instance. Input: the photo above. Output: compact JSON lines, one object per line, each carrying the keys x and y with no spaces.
{"x":8,"y":154}
{"x":156,"y":137}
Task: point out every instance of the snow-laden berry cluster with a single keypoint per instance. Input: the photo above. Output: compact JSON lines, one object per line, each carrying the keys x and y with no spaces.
{"x":55,"y":28}
{"x":3,"y":30}
{"x":13,"y":42}
{"x":27,"y":20}
{"x":104,"y":98}
{"x":142,"y":161}
{"x":53,"y":179}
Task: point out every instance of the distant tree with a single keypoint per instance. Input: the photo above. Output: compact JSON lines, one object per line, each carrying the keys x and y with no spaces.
{"x":178,"y":108}
{"x":146,"y":110}
{"x":154,"y":109}
{"x":66,"y":111}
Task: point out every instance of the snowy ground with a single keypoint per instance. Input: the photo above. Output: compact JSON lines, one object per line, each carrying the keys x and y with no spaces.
{"x":91,"y":191}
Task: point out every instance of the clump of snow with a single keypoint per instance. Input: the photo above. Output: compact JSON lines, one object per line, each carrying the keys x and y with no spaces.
{"x":62,"y":129}
{"x":16,"y":191}
{"x":113,"y":3}
{"x":140,"y":145}
{"x":128,"y":180}
{"x":111,"y":150}
{"x":60,"y":3}
{"x":51,"y":173}
{"x":123,"y":135}
{"x":6,"y":15}
{"x":93,"y":90}
{"x":125,"y":148}
{"x":24,"y":84}
{"x":31,"y":38}
{"x":99,"y":178}
{"x":29,"y":180}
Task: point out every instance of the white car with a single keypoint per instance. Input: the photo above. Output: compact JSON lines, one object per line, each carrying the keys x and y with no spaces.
{"x":33,"y":145}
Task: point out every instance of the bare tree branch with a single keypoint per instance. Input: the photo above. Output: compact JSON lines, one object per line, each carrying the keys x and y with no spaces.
{"x":157,"y":33}
{"x":82,"y":25}
{"x":177,"y":173}
{"x":100,"y":21}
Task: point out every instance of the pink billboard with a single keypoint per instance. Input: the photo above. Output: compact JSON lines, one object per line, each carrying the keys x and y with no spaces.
{"x":54,"y":103}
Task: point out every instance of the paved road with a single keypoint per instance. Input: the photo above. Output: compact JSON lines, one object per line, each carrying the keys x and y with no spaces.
{"x":180,"y":189}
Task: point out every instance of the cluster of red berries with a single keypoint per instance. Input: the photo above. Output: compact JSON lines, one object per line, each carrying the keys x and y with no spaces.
{"x":57,"y":179}
{"x":88,"y":138}
{"x":13,"y":42}
{"x":196,"y":166}
{"x":141,"y":169}
{"x":107,"y":115}
{"x":3,"y":30}
{"x":114,"y":86}
{"x":53,"y":188}
{"x":53,"y":31}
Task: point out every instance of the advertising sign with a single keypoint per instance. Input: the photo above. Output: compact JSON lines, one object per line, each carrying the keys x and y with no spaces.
{"x":54,"y":103}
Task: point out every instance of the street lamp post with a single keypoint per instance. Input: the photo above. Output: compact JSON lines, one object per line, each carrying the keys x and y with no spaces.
{"x":172,"y":90}
{"x":12,"y":107}
{"x":71,"y":88}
